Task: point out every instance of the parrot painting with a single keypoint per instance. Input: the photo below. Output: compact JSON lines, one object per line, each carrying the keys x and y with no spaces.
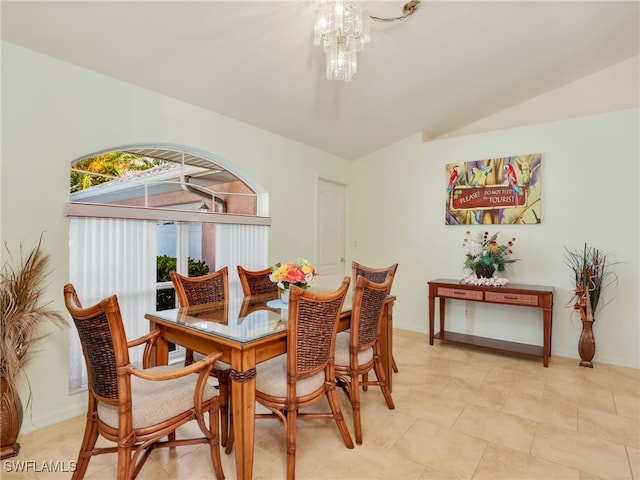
{"x":453,"y":179}
{"x":479,"y":176}
{"x":513,"y":180}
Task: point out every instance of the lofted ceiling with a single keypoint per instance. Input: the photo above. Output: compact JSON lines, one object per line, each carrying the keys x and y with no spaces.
{"x":450,"y":64}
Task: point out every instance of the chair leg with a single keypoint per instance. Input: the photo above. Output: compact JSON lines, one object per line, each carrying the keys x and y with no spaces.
{"x":188,"y":357}
{"x":355,"y":407}
{"x":382,"y":381}
{"x":334,"y":404}
{"x":229,"y":447}
{"x":88,"y":442}
{"x":290,"y":429}
{"x":224,"y":389}
{"x":214,"y":443}
{"x":125,"y":466}
{"x":394,"y":367}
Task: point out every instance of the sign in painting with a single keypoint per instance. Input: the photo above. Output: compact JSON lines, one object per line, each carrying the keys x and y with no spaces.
{"x":494,"y":191}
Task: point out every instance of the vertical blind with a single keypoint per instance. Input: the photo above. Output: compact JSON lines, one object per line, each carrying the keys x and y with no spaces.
{"x":112,"y":256}
{"x":118,"y":256}
{"x":244,"y":245}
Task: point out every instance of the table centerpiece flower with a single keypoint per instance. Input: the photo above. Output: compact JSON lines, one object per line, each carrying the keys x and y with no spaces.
{"x":299,"y":273}
{"x":484,"y":257}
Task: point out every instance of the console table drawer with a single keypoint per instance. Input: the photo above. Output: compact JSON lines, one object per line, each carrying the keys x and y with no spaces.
{"x":512,"y":298}
{"x":459,"y":293}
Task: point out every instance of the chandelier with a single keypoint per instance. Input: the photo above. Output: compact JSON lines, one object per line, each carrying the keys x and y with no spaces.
{"x":342,"y":28}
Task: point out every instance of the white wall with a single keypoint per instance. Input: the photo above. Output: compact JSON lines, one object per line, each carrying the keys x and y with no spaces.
{"x":589,"y":194}
{"x":54,"y":112}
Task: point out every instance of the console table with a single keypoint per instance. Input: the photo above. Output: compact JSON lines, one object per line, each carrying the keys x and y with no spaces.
{"x":535,"y":296}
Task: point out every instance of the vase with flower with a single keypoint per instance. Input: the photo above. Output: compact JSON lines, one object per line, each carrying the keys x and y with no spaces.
{"x":299,"y":273}
{"x":485,"y":256}
{"x":22,"y":316}
{"x":590,"y":275}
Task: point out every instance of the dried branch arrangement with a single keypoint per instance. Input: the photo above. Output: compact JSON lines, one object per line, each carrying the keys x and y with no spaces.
{"x":21,"y":312}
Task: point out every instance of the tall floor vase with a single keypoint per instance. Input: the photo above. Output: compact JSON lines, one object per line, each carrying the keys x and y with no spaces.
{"x":586,"y":344}
{"x":10,"y":420}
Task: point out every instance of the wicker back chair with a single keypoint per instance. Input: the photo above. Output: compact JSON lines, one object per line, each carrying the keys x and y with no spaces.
{"x":256,"y":282}
{"x":304,"y":375}
{"x":137,"y":408}
{"x":210,"y":288}
{"x":358,"y":351}
{"x":378,"y":275}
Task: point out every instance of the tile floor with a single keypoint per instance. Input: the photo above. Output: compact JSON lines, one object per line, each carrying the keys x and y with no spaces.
{"x":461,"y":413}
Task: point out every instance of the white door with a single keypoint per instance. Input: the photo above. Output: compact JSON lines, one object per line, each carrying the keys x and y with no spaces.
{"x":330,"y":264}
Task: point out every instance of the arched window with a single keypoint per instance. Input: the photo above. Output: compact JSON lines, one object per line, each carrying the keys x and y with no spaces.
{"x":138,"y":211}
{"x":163,"y":177}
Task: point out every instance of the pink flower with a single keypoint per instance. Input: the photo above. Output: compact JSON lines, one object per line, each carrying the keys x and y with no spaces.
{"x":294,"y":275}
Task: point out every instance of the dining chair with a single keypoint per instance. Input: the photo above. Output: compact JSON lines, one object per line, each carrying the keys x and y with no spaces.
{"x":255,"y":282}
{"x":358,"y":350}
{"x":304,"y":375}
{"x":210,"y":288}
{"x":137,"y":408}
{"x":378,"y":275}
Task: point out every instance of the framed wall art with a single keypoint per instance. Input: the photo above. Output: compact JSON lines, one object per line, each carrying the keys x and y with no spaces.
{"x":494,"y":191}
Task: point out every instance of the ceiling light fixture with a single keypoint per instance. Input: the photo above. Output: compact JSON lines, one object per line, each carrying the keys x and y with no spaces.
{"x":342,"y":28}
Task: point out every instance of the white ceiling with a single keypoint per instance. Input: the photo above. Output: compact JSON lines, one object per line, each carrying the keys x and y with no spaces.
{"x":450,"y":64}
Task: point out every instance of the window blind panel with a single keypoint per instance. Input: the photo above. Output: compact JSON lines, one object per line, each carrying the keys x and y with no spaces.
{"x":112,"y":256}
{"x":245,"y":245}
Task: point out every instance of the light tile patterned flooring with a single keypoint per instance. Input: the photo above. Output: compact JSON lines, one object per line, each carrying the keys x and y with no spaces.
{"x":461,"y":413}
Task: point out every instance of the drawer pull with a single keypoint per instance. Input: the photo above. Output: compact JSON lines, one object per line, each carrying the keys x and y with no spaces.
{"x":457,"y":292}
{"x":510,"y":297}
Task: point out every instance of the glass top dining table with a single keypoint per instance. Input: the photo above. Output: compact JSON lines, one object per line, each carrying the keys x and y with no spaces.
{"x":242,"y":320}
{"x":247,"y":331}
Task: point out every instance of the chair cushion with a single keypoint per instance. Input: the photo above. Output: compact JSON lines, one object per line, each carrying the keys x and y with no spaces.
{"x":154,"y":402}
{"x":219,"y":365}
{"x":342,"y":351}
{"x":271,"y":379}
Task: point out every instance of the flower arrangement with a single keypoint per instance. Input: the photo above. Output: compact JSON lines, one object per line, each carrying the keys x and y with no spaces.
{"x":485,"y":255}
{"x":590,"y":275}
{"x":299,"y":273}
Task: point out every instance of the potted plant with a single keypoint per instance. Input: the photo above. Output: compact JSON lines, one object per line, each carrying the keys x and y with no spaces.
{"x":591,"y":276}
{"x":21,"y":317}
{"x":485,"y":256}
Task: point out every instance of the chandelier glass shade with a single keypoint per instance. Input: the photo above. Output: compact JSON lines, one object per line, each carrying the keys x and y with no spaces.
{"x":342,"y":28}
